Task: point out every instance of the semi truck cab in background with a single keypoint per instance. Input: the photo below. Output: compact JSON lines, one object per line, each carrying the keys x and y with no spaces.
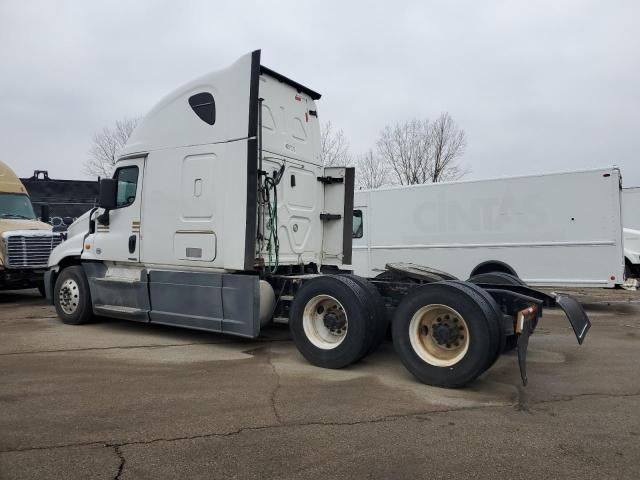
{"x":221,"y":217}
{"x":25,"y":241}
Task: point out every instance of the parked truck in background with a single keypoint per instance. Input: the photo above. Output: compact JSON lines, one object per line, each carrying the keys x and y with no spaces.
{"x":220,"y":217}
{"x":631,"y":222}
{"x":558,"y":229}
{"x":66,"y":199}
{"x":25,"y":240}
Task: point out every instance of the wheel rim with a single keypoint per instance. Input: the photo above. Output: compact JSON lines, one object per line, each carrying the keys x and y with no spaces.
{"x":325,"y":322}
{"x":439,"y":335}
{"x":69,"y":296}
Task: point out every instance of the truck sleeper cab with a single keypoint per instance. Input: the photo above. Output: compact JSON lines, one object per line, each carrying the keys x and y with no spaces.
{"x":220,"y":217}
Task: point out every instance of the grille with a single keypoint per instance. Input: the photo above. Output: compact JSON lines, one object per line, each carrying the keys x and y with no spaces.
{"x":30,"y":251}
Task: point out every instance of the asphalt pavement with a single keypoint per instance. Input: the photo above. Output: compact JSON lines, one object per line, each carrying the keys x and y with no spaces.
{"x":115,"y":399}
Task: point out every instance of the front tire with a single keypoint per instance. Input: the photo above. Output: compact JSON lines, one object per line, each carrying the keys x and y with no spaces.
{"x":443,"y":334}
{"x":72,"y":297}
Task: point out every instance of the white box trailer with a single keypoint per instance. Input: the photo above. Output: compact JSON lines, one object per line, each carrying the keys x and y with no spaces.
{"x":220,"y":217}
{"x":631,"y":222}
{"x":559,"y":229}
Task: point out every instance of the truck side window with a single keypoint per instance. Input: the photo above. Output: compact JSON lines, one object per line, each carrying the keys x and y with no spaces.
{"x":357,"y":224}
{"x":127,"y":178}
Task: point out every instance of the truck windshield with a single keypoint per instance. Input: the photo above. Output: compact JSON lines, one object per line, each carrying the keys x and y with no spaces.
{"x":16,"y":205}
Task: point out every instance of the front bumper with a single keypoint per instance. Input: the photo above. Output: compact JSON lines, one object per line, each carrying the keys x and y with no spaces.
{"x":15,"y":279}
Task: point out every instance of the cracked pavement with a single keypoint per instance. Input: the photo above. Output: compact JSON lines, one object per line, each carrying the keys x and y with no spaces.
{"x":124,"y":400}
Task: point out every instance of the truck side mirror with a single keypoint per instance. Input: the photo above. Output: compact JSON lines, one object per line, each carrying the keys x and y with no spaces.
{"x":107,"y":195}
{"x":44,"y":213}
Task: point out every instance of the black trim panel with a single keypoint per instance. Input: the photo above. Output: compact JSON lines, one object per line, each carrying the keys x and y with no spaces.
{"x":301,"y":88}
{"x":347,"y":223}
{"x":253,"y":94}
{"x":252,"y":165}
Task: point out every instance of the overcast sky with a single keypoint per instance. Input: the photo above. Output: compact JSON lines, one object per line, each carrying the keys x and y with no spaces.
{"x":537,"y":86}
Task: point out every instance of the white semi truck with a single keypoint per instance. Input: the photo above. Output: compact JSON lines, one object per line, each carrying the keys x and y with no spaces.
{"x":220,"y":217}
{"x":557,"y":229}
{"x":631,"y":221}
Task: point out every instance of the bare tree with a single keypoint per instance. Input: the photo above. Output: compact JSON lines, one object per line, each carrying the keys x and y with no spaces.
{"x":106,"y":146}
{"x":420,"y":151}
{"x":449,"y":143}
{"x":371,"y":171}
{"x":334,"y":147}
{"x":406,"y":149}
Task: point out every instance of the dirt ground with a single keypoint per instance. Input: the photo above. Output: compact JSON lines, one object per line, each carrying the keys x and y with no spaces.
{"x":124,"y":400}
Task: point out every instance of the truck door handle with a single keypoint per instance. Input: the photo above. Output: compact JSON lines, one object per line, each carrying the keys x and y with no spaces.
{"x":132,"y":243}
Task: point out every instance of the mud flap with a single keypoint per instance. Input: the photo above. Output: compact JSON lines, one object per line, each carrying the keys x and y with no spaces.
{"x":576,"y":315}
{"x":523,"y":344}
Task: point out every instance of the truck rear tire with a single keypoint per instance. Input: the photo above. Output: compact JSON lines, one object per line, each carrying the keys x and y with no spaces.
{"x":501,"y":278}
{"x":497,"y":331}
{"x":72,"y":297}
{"x":443,"y":334}
{"x":331,"y":321}
{"x":380,"y":321}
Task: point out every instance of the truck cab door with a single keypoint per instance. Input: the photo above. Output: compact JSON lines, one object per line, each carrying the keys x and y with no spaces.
{"x":120,"y":240}
{"x":337,"y":215}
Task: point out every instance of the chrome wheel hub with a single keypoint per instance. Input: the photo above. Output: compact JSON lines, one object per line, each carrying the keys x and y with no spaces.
{"x":69,"y":296}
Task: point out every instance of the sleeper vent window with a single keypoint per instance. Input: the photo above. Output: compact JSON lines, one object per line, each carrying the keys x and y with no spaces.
{"x":204,"y":106}
{"x":357,"y":224}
